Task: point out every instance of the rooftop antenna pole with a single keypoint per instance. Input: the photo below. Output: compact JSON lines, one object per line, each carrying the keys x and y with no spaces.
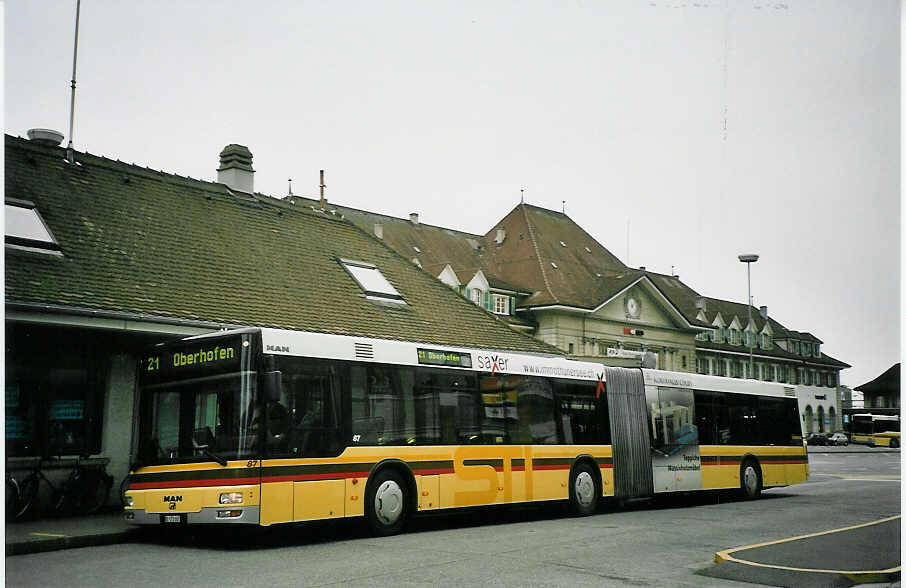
{"x":521,"y":195}
{"x":627,"y":241}
{"x":564,"y":206}
{"x":323,"y":185}
{"x":290,"y":186}
{"x":70,"y":156}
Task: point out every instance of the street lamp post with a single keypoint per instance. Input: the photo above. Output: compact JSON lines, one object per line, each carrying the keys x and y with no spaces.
{"x":749,"y":259}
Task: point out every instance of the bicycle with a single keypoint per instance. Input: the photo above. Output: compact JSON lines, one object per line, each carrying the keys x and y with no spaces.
{"x":85,"y":491}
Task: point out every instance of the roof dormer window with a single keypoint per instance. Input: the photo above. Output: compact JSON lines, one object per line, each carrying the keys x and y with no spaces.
{"x":25,"y":229}
{"x":372,"y":281}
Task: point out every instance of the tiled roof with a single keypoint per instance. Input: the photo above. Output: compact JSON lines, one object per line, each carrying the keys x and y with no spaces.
{"x":555,"y":258}
{"x":886,"y":383}
{"x":140,"y":241}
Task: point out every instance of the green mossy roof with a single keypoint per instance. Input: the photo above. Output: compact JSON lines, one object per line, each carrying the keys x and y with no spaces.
{"x":140,"y":241}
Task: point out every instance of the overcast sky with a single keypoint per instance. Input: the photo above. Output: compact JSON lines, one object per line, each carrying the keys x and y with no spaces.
{"x":679,"y":133}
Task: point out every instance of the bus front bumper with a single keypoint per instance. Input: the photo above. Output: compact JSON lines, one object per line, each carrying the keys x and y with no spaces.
{"x":247,"y":515}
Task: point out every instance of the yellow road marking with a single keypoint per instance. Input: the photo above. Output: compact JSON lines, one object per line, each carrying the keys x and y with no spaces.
{"x":722,"y":556}
{"x":47,"y":534}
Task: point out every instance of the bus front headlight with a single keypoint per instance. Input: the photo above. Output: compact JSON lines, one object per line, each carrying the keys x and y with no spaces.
{"x":231,"y":498}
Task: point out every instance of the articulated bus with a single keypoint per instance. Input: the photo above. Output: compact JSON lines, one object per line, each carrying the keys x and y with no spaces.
{"x":876,"y":430}
{"x":264,"y":426}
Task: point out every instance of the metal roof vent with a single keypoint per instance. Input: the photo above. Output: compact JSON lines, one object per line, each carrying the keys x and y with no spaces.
{"x":45,"y":136}
{"x":364,"y":351}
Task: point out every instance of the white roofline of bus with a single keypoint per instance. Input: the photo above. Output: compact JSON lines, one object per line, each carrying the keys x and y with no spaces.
{"x":343,"y":347}
{"x":719,"y":384}
{"x":330,"y":346}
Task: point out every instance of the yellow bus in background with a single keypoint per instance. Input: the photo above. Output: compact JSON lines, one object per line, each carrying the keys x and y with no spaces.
{"x":265,"y":426}
{"x":876,"y":430}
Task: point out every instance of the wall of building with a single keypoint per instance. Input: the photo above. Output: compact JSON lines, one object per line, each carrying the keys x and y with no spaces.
{"x":591,"y":334}
{"x":118,"y":414}
{"x":813,"y":398}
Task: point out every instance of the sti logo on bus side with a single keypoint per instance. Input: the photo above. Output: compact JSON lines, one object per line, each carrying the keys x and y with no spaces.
{"x":494,"y":363}
{"x":277,"y":348}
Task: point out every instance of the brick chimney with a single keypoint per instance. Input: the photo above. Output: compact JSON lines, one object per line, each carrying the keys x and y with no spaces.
{"x":236,"y":168}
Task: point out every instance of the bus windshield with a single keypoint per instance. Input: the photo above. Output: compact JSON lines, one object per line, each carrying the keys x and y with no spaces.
{"x":198,"y":403}
{"x":199,"y":419}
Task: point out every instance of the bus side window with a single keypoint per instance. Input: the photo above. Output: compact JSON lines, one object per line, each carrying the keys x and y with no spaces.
{"x":310,"y":402}
{"x":583,"y":413}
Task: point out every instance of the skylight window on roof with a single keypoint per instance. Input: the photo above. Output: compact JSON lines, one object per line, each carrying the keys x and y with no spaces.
{"x":26,"y":229}
{"x":372,"y":281}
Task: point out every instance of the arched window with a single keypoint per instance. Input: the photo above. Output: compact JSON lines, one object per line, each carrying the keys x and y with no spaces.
{"x":820,"y":419}
{"x":809,"y":426}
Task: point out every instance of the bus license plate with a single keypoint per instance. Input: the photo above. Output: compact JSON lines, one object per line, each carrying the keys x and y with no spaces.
{"x":171,"y":518}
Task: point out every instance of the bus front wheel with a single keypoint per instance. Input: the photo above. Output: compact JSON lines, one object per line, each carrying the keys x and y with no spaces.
{"x":750,"y":479}
{"x":583,"y":491}
{"x":894,"y":443}
{"x":387,"y":503}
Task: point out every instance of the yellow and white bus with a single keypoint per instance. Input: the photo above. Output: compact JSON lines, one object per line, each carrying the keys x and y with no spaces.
{"x":265,"y":426}
{"x":876,"y":430}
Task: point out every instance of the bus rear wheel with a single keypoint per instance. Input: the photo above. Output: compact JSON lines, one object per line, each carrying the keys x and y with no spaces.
{"x":894,"y":443}
{"x":750,"y":479}
{"x":583,"y":491}
{"x":387,"y":503}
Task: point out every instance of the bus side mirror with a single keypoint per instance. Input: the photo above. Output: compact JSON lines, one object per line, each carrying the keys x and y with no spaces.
{"x":272,"y":385}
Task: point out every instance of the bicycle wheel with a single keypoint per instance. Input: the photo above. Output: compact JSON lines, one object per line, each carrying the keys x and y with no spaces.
{"x":64,"y":498}
{"x":95,"y":491}
{"x":12,"y":497}
{"x":28,"y":493}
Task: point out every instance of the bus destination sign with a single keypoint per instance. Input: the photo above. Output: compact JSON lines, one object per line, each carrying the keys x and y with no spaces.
{"x":192,"y":361}
{"x":449,"y":358}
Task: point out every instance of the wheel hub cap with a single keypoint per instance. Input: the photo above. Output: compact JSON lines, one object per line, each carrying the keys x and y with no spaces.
{"x":751,"y":479}
{"x":388,"y":502}
{"x":585,"y":489}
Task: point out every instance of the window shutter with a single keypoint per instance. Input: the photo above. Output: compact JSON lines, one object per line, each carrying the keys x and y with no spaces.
{"x":487,"y":300}
{"x":512,"y":305}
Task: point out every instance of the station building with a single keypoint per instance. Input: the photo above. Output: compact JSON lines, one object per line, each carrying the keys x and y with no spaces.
{"x":104,"y":258}
{"x":545,"y":275}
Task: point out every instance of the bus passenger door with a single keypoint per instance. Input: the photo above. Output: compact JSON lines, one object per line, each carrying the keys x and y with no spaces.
{"x":674,"y":439}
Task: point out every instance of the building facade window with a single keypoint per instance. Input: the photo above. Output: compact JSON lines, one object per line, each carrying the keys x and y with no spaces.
{"x":501,"y":304}
{"x":54,"y":400}
{"x":734,"y":337}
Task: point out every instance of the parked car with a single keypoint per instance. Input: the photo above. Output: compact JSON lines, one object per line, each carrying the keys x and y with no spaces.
{"x":838,"y":439}
{"x":816,"y":439}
